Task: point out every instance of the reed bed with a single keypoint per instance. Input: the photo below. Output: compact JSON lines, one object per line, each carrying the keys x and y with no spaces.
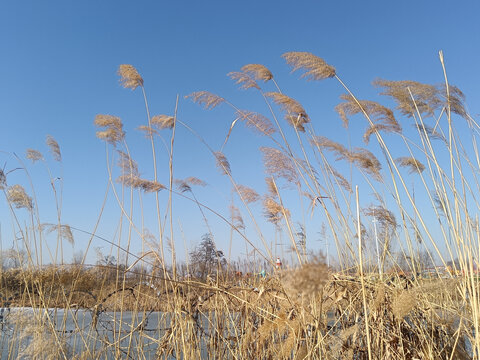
{"x":404,"y":287}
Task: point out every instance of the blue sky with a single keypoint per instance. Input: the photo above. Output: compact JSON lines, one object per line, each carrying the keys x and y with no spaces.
{"x":58,"y":68}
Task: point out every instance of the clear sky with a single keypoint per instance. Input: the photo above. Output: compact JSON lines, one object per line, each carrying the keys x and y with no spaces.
{"x":58,"y":64}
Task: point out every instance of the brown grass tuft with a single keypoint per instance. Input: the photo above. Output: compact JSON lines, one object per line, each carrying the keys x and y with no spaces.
{"x":258,"y":72}
{"x":307,"y":280}
{"x":257,"y":122}
{"x":129,"y":77}
{"x":163,"y":121}
{"x":279,"y":165}
{"x":274,"y":212}
{"x":222,"y":163}
{"x":244,"y":80}
{"x":296,"y":114}
{"x":54,"y":148}
{"x":413,"y":165}
{"x":17,"y":196}
{"x":403,"y":304}
{"x":316,"y":68}
{"x":247,"y":194}
{"x":34,"y":155}
{"x":206,"y":99}
{"x":114,"y":128}
{"x":377,"y":112}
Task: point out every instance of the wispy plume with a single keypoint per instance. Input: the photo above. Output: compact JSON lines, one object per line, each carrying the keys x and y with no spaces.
{"x":247,"y":194}
{"x":3,"y":180}
{"x":279,"y":165}
{"x":114,"y":128}
{"x":258,"y":72}
{"x":127,"y":164}
{"x":63,"y":231}
{"x":244,"y":80}
{"x":222,"y":163}
{"x":413,"y":165}
{"x":147,"y":186}
{"x":296,"y":115}
{"x":274,"y":212}
{"x":372,"y":129}
{"x":163,"y":121}
{"x":365,"y":160}
{"x":237,"y":219}
{"x":34,"y":155}
{"x":147,"y":130}
{"x":54,"y":148}
{"x":17,"y":195}
{"x":376,"y":112}
{"x":323,"y":143}
{"x":129,"y":77}
{"x":315,"y":67}
{"x":206,"y":99}
{"x":185,"y":185}
{"x":257,"y":122}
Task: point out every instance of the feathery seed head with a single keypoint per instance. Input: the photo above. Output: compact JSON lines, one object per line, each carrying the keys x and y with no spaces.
{"x":129,"y":77}
{"x":222,"y":163}
{"x":141,"y":184}
{"x":54,"y":148}
{"x":127,"y":164}
{"x":374,"y":110}
{"x":244,"y":80}
{"x":366,"y":161}
{"x":271,"y":187}
{"x":257,"y":71}
{"x":411,"y":95}
{"x":17,"y":196}
{"x":256,"y":122}
{"x":296,"y":114}
{"x":403,"y":304}
{"x":274,"y":212}
{"x":237,"y":219}
{"x":278,"y":164}
{"x":114,"y":128}
{"x":315,"y":68}
{"x":411,"y":163}
{"x":309,"y":279}
{"x":163,"y":121}
{"x":372,"y":129}
{"x":64,"y":231}
{"x":147,"y":130}
{"x":3,"y":180}
{"x":247,"y":194}
{"x":34,"y":155}
{"x":206,"y":99}
{"x":340,"y":151}
{"x":384,"y":216}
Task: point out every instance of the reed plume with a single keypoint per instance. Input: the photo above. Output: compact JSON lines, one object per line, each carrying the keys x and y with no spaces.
{"x":163,"y":121}
{"x":147,"y":130}
{"x":425,"y":97}
{"x":385,"y":217}
{"x":377,"y":113}
{"x":222,"y":163}
{"x":296,"y":115}
{"x":64,"y":232}
{"x":236,"y":217}
{"x":273,"y":211}
{"x":338,"y":149}
{"x":257,"y":122}
{"x":114,"y":128}
{"x":135,"y":182}
{"x":34,"y":155}
{"x":372,"y":129}
{"x":244,"y":80}
{"x":277,"y":164}
{"x":54,"y":148}
{"x":127,"y":164}
{"x":17,"y":195}
{"x":3,"y":180}
{"x":247,"y":194}
{"x":258,"y":72}
{"x":186,"y":184}
{"x":129,"y":77}
{"x":315,"y":67}
{"x":271,"y":187}
{"x":411,"y":163}
{"x":366,"y":161}
{"x":206,"y":99}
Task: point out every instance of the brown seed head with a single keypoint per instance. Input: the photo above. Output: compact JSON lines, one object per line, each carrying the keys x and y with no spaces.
{"x":237,"y":219}
{"x":296,"y":114}
{"x":403,"y":304}
{"x":413,"y":165}
{"x":247,"y":194}
{"x":244,"y":80}
{"x":376,"y":112}
{"x":258,"y":72}
{"x":141,"y":184}
{"x":279,"y":165}
{"x":271,"y":187}
{"x":64,"y":231}
{"x":54,"y":148}
{"x":34,"y":155}
{"x":114,"y":128}
{"x":222,"y":163}
{"x":274,"y":212}
{"x":129,"y":77}
{"x":3,"y":180}
{"x":338,"y":149}
{"x":147,"y":130}
{"x":256,"y":122}
{"x":365,"y":160}
{"x":163,"y":121}
{"x":384,"y":216}
{"x":127,"y":164}
{"x":372,"y":129}
{"x":206,"y":99}
{"x":315,"y":68}
{"x":426,"y":98}
{"x":17,"y":196}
